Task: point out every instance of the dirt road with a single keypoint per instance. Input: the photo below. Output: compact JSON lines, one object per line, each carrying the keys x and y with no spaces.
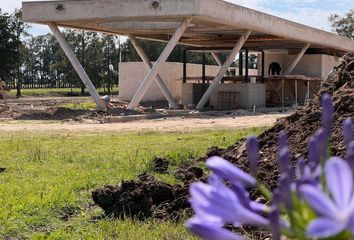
{"x":162,"y":125}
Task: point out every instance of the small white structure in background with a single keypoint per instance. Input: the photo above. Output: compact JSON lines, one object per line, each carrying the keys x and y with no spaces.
{"x":314,"y":64}
{"x":131,"y":74}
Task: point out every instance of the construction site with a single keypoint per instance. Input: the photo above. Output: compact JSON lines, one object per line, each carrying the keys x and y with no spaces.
{"x":121,"y":166}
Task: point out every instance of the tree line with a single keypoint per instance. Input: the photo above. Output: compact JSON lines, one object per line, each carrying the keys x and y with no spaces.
{"x":28,"y":61}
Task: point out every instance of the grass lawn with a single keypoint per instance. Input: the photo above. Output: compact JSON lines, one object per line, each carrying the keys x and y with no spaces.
{"x":55,"y":91}
{"x":50,"y":176}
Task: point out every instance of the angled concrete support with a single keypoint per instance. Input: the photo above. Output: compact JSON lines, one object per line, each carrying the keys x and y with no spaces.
{"x":225,"y":66}
{"x":148,"y":65}
{"x":162,"y":59}
{"x":297,"y":59}
{"x":217,"y":58}
{"x":77,"y":66}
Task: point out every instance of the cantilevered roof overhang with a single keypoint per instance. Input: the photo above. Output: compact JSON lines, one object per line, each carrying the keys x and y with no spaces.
{"x":215,"y":23}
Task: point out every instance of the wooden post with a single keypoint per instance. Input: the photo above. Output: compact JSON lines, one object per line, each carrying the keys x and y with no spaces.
{"x":240,"y":64}
{"x":148,"y":65}
{"x":223,"y":69}
{"x":308,"y":91}
{"x":185,"y":66}
{"x":296,"y":93}
{"x":158,"y":64}
{"x":77,"y":66}
{"x":203,"y":67}
{"x":263,"y":66}
{"x":282,"y":92}
{"x":246,"y":66}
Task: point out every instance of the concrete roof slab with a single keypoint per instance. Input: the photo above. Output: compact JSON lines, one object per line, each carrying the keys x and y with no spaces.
{"x":216,"y":23}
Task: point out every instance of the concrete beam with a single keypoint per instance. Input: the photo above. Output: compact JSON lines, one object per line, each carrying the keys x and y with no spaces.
{"x":144,"y":25}
{"x":239,"y":17}
{"x":148,"y":65}
{"x":162,"y":59}
{"x":297,"y":60}
{"x":74,"y":10}
{"x":77,"y":66}
{"x":225,"y":66}
{"x":91,"y":13}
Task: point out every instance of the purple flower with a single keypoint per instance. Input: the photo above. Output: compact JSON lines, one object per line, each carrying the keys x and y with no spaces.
{"x":210,"y":231}
{"x":217,"y":203}
{"x":283,"y":140}
{"x":253,"y":154}
{"x":307,"y":174}
{"x":229,"y":172}
{"x":327,"y":113}
{"x":274,"y":218}
{"x":284,"y":154}
{"x":337,"y":210}
{"x":322,"y":144}
{"x":348,"y":131}
{"x":313,"y":154}
{"x":350,"y":154}
{"x":284,"y":161}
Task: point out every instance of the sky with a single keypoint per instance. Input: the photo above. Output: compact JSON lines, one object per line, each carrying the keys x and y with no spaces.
{"x":314,"y":13}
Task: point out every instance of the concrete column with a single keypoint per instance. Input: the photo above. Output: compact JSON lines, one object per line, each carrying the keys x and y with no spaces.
{"x":148,"y":65}
{"x":297,"y":59}
{"x":223,"y":69}
{"x":77,"y":66}
{"x":218,"y":60}
{"x":162,"y":59}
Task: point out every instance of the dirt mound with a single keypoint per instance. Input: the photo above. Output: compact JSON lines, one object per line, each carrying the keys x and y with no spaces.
{"x":160,"y":165}
{"x":187,"y":173}
{"x":302,"y":125}
{"x":59,"y":113}
{"x":142,"y":199}
{"x":62,"y":114}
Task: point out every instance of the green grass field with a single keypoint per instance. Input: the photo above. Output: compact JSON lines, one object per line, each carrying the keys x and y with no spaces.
{"x":55,"y":91}
{"x":50,"y":176}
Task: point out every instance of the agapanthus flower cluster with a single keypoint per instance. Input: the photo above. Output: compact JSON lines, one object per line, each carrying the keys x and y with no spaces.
{"x":314,"y":201}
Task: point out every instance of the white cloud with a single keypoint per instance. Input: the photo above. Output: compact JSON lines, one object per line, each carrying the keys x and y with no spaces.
{"x":313,"y":13}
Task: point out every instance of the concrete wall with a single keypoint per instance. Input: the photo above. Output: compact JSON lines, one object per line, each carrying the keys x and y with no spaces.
{"x":328,"y":62}
{"x":309,"y":65}
{"x":312,"y":65}
{"x":133,"y":73}
{"x":249,"y":94}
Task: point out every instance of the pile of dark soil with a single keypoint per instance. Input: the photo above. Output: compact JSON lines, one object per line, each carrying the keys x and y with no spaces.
{"x":302,"y":125}
{"x":62,"y":114}
{"x":160,"y":165}
{"x":142,"y":197}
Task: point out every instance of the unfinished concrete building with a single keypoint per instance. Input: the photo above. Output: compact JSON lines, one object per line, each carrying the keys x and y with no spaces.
{"x":299,"y":56}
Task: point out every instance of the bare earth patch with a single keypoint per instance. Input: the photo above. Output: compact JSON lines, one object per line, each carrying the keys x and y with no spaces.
{"x":167,"y":125}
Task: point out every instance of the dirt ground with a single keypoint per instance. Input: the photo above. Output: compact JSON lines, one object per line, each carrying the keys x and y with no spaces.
{"x":173,"y":124}
{"x":77,"y":114}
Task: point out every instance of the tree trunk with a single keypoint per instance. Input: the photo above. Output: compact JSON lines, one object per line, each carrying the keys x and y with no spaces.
{"x":83,"y":60}
{"x":18,"y":87}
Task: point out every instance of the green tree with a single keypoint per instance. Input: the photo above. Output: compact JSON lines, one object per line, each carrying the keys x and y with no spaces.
{"x":19,"y":28}
{"x":8,"y":47}
{"x":343,"y":25}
